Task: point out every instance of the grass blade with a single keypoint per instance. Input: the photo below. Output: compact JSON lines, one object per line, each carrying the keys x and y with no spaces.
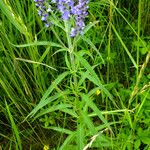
{"x":124,"y":46}
{"x":14,"y":128}
{"x":12,"y":17}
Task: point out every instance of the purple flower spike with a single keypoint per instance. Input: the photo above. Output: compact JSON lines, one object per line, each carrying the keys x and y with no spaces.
{"x":66,"y":15}
{"x":43,"y":9}
{"x":44,"y":17}
{"x":77,"y":9}
{"x":73,"y":32}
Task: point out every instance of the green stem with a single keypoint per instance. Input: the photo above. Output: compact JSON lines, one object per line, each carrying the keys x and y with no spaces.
{"x":71,"y":53}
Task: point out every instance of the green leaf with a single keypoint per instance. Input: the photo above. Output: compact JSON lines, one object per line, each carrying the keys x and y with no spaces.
{"x":145,"y":140}
{"x":44,"y":100}
{"x":91,"y":104}
{"x":144,"y":135}
{"x":80,"y":135}
{"x":52,"y":108}
{"x":143,"y":50}
{"x":137,"y":144}
{"x":35,"y":62}
{"x":89,"y":123}
{"x":92,"y":76}
{"x":68,"y":140}
{"x":70,"y":112}
{"x":67,"y":62}
{"x":59,"y":129}
{"x":38,"y":43}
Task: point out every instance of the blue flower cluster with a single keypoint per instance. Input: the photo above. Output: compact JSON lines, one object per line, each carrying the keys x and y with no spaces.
{"x":44,"y":8}
{"x":77,"y":9}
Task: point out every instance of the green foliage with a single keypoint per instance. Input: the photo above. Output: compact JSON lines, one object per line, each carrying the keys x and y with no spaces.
{"x":87,"y":92}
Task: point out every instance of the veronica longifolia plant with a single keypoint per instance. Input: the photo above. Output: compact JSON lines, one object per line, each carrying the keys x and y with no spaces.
{"x":76,"y":9}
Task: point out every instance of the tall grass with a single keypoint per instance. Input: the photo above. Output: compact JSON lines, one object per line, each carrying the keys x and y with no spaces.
{"x":87,"y":92}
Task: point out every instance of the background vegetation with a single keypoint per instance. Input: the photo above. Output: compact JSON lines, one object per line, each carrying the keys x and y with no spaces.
{"x":96,"y":96}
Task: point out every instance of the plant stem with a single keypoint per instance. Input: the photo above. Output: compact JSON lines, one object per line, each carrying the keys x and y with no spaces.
{"x":71,"y":53}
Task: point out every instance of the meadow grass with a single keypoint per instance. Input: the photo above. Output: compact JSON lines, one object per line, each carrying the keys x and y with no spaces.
{"x":88,"y":92}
